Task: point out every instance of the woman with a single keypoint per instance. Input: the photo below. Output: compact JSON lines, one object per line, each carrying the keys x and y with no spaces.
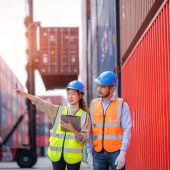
{"x":66,"y":146}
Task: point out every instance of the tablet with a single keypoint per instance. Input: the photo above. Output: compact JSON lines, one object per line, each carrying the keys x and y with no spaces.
{"x":75,"y":121}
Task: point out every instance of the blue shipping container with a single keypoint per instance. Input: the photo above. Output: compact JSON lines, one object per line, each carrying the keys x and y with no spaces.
{"x":3,"y":117}
{"x":42,"y":129}
{"x":107,"y":42}
{"x":3,"y":99}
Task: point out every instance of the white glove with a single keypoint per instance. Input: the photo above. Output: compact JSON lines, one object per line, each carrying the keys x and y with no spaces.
{"x":120,"y":160}
{"x":90,"y":160}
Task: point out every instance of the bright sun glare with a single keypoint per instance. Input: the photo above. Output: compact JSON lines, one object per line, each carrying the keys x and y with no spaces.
{"x":12,"y":30}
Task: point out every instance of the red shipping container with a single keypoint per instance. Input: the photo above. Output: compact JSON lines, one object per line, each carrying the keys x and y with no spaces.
{"x":42,"y":140}
{"x":3,"y":131}
{"x":41,"y":118}
{"x":134,"y":17}
{"x":58,"y":58}
{"x":58,"y":48}
{"x":15,"y":139}
{"x":10,"y":119}
{"x":145,"y":85}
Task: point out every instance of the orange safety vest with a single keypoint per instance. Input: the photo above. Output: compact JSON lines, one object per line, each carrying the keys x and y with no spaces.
{"x":107,"y":132}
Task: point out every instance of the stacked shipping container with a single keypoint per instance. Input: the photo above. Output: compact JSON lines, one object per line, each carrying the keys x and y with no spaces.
{"x":57,"y":57}
{"x":11,"y":107}
{"x":99,"y":38}
{"x":58,"y":51}
{"x":145,"y":85}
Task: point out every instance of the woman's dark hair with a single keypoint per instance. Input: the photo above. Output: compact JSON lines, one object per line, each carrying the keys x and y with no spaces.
{"x":83,"y":105}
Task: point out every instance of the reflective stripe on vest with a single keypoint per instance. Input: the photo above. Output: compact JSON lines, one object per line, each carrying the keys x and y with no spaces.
{"x":92,"y":111}
{"x":111,"y":137}
{"x":119,"y":109}
{"x":66,"y":142}
{"x":62,"y":136}
{"x":83,"y":121}
{"x":112,"y":130}
{"x":83,"y":118}
{"x":100,"y":125}
{"x":57,"y":120}
{"x":67,"y":150}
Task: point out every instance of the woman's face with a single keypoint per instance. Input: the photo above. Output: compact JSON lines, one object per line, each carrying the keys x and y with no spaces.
{"x":73,"y":96}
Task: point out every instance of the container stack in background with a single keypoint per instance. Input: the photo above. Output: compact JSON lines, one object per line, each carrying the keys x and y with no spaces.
{"x":11,"y":108}
{"x":135,"y":36}
{"x":43,"y":125}
{"x":98,"y":45}
{"x":58,"y":56}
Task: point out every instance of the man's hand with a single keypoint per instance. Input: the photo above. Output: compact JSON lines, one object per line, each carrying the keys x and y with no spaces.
{"x":90,"y":160}
{"x":81,"y":138}
{"x":120,"y":160}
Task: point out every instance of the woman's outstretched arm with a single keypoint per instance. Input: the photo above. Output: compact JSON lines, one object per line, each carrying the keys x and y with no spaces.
{"x":42,"y":105}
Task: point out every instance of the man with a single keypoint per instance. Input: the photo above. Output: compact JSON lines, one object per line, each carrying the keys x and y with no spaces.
{"x":111,"y":125}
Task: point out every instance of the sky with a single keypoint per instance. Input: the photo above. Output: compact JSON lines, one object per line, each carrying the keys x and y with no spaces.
{"x":12,"y":31}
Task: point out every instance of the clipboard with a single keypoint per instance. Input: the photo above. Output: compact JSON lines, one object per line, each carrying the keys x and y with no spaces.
{"x":75,"y":121}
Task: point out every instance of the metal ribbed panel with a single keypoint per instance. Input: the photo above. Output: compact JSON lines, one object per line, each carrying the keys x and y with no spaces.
{"x":145,"y":85}
{"x":132,"y":15}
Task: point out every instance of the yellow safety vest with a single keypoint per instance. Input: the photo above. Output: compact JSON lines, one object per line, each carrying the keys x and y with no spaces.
{"x":65,"y":142}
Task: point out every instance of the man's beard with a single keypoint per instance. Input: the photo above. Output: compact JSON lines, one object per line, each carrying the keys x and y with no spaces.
{"x":103,"y":95}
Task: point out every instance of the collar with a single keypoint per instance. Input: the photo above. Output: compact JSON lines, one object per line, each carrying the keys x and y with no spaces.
{"x":111,"y":99}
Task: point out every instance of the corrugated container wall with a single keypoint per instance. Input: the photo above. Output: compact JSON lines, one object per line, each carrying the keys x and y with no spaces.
{"x":11,"y":107}
{"x":145,"y":85}
{"x":132,"y":15}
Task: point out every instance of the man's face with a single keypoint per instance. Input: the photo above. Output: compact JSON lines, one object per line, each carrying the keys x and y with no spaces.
{"x":103,"y":91}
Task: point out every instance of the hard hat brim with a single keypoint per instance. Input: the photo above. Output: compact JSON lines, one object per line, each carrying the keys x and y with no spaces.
{"x":74,"y":89}
{"x":97,"y":81}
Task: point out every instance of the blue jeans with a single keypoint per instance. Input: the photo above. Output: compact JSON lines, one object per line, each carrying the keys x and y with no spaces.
{"x":103,"y":160}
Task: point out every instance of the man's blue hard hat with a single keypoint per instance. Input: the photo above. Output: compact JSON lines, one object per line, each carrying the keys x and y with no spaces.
{"x":107,"y":78}
{"x":76,"y":85}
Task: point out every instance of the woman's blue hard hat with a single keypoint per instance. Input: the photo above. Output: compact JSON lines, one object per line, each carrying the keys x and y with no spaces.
{"x":76,"y":85}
